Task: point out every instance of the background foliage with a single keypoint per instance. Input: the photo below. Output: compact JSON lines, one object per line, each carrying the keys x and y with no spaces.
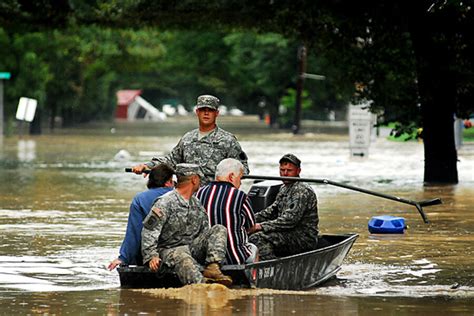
{"x":413,"y":60}
{"x":75,"y":73}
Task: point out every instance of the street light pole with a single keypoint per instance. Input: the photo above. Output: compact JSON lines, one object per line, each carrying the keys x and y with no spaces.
{"x":1,"y":108}
{"x":6,"y":76}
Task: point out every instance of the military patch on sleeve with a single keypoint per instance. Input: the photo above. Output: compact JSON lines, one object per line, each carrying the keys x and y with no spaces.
{"x":243,"y":155}
{"x":157,"y":211}
{"x":151,"y":221}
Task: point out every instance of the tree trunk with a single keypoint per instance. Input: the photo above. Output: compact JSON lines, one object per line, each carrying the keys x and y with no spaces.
{"x":35,"y":125}
{"x":67,"y":116}
{"x":437,"y":90}
{"x":54,"y":111}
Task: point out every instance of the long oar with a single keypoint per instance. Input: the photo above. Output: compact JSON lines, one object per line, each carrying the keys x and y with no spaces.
{"x":418,"y":204}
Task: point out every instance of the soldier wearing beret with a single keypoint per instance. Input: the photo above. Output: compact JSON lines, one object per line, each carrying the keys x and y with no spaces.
{"x":176,"y":233}
{"x":205,"y":146}
{"x":290,"y":225}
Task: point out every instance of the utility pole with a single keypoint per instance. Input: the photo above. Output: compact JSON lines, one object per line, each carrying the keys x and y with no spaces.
{"x":299,"y":88}
{"x":302,"y":75}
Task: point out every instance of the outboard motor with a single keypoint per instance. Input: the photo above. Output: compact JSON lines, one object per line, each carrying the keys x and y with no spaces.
{"x":263,"y":194}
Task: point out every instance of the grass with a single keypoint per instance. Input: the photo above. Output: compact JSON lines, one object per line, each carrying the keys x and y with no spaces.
{"x":404,"y":136}
{"x":468,"y":135}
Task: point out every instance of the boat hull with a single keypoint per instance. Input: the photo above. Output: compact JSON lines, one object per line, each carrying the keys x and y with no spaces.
{"x":297,"y":272}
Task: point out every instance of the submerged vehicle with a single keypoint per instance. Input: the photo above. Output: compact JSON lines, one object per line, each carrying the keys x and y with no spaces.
{"x":295,"y":272}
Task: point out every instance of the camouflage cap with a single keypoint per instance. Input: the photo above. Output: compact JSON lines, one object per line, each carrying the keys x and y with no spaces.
{"x":291,"y":158}
{"x":207,"y":101}
{"x":188,"y":169}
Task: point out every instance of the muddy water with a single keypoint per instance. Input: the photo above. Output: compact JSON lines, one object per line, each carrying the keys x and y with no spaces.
{"x":64,"y":206}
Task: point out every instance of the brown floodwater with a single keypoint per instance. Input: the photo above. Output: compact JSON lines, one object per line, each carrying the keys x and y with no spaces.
{"x":64,"y":204}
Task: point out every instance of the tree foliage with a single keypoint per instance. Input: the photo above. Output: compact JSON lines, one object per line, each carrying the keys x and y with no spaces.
{"x":413,"y":60}
{"x":75,"y":72}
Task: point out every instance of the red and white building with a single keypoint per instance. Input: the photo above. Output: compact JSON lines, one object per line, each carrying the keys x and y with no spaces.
{"x":131,"y":106}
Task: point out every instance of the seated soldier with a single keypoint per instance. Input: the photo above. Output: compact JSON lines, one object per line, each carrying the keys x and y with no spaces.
{"x":176,"y":233}
{"x":159,"y":182}
{"x":290,"y":225}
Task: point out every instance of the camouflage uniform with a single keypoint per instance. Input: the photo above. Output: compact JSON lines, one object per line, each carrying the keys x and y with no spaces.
{"x":290,"y":224}
{"x":206,"y":152}
{"x":178,"y":232}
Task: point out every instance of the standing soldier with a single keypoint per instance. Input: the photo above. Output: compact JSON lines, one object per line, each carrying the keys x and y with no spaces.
{"x":205,"y":146}
{"x":290,"y":225}
{"x":176,"y":233}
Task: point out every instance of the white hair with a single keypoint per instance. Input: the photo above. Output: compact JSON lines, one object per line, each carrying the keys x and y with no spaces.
{"x":228,"y":166}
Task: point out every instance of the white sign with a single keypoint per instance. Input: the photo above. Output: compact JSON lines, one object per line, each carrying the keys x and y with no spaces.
{"x":360,"y":127}
{"x":26,"y":109}
{"x":358,"y":112}
{"x":458,"y":130}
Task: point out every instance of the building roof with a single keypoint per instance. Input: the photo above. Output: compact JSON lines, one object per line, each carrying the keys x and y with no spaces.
{"x":126,"y":97}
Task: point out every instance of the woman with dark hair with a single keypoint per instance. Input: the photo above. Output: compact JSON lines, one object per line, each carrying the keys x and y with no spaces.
{"x":160,"y":181}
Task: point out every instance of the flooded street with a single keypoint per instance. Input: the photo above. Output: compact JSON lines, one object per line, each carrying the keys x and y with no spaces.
{"x":64,"y":202}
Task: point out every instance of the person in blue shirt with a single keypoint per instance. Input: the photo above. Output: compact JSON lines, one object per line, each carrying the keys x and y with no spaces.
{"x":160,"y":181}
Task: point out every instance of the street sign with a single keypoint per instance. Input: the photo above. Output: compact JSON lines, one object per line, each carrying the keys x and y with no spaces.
{"x":313,"y":76}
{"x":360,"y":126}
{"x":26,"y":109}
{"x":5,"y":75}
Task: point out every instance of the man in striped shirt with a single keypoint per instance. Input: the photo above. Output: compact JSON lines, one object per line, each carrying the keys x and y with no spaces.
{"x":225,"y":204}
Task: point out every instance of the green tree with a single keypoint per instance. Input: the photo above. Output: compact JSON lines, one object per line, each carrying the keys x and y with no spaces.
{"x":75,"y":73}
{"x":262,"y":67}
{"x":101,"y":61}
{"x":194,"y":63}
{"x":413,"y":59}
{"x":287,"y":103}
{"x":409,"y":66}
{"x":30,"y":73}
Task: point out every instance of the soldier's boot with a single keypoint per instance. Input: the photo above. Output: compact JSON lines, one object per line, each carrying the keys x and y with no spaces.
{"x":213,"y":274}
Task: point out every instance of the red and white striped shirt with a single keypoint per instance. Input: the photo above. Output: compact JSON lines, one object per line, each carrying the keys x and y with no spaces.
{"x":230,"y":207}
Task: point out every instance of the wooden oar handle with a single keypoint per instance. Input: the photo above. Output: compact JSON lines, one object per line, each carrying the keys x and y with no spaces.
{"x":418,"y":205}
